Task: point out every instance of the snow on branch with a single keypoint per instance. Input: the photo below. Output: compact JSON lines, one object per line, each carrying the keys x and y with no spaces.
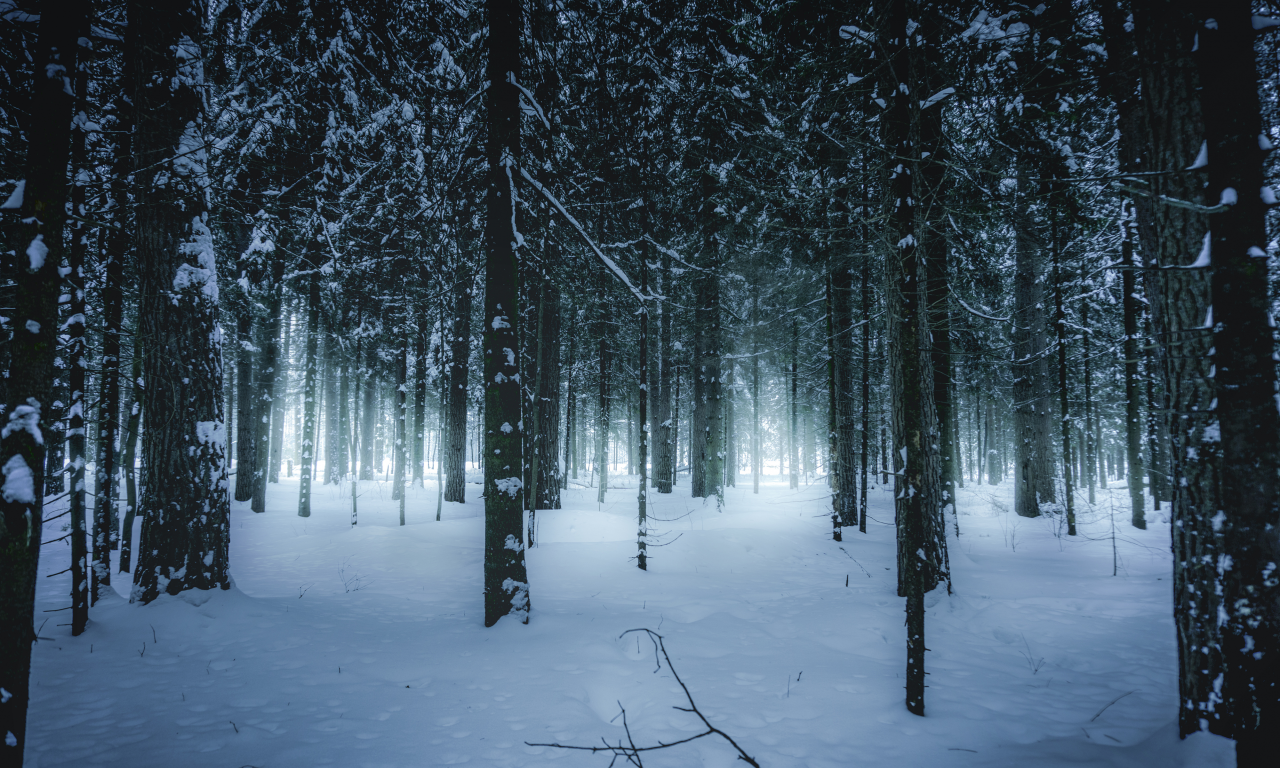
{"x":937,"y":97}
{"x":849,"y":32}
{"x":979,"y":314}
{"x":609,"y":263}
{"x":673,"y":254}
{"x":511,"y":78}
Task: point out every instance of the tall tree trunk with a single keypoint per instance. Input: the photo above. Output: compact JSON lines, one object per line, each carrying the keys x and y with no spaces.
{"x":846,"y":498}
{"x":1090,"y":459}
{"x":1132,"y":382}
{"x":1060,"y":325}
{"x":931,"y":212}
{"x":757,"y":457}
{"x":1028,"y":358}
{"x":706,"y":432}
{"x":993,"y":477}
{"x":268,"y":412}
{"x":506,"y":584}
{"x":281,"y":389}
{"x":642,"y":496}
{"x":664,"y":460}
{"x":420,"y":400}
{"x":547,"y":400}
{"x":912,"y":401}
{"x":37,"y":245}
{"x":330,"y":386}
{"x":459,"y":368}
{"x":1157,"y":464}
{"x":793,"y":441}
{"x":186,"y":512}
{"x":310,"y":391}
{"x":729,"y":415}
{"x":81,"y":573}
{"x":1243,"y":353}
{"x":399,"y":424}
{"x":443,"y":439}
{"x":866,"y":394}
{"x":118,"y":244}
{"x":571,"y":409}
{"x":128,"y":455}
{"x":368,"y":411}
{"x":602,"y":408}
{"x":675,"y":426}
{"x":1166,"y":129}
{"x":246,"y":402}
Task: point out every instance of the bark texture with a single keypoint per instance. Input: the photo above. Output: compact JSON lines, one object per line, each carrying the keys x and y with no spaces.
{"x":455,"y":458}
{"x":506,"y":583}
{"x":185,"y":486}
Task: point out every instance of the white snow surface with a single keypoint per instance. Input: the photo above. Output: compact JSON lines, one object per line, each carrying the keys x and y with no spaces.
{"x":364,"y":646}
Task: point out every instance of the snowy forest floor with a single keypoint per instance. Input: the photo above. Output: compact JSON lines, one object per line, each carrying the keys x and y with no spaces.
{"x":364,"y":646}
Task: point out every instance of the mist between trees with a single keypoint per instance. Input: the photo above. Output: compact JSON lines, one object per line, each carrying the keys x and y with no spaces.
{"x":549,"y":243}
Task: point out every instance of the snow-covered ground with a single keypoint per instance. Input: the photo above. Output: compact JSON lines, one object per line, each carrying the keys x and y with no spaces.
{"x":364,"y":646}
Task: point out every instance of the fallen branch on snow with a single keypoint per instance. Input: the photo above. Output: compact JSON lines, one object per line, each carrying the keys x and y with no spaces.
{"x":629,"y":750}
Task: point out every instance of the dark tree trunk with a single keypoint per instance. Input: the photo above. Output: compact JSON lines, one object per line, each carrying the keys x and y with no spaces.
{"x":55,"y":434}
{"x":346,"y":452}
{"x":1089,"y":461}
{"x":601,"y":462}
{"x":332,"y":425}
{"x":548,"y":402}
{"x":459,"y":365}
{"x":642,"y":496}
{"x":757,"y":457}
{"x":81,"y":573}
{"x":267,"y":411}
{"x":1166,"y":129}
{"x":310,"y":390}
{"x":280,"y":391}
{"x":506,"y":584}
{"x":1245,"y":379}
{"x":1029,"y":369}
{"x":706,"y":457}
{"x":420,"y":401}
{"x":399,"y":425}
{"x":664,"y":459}
{"x":793,"y":439}
{"x":128,"y":456}
{"x":730,"y":452}
{"x":186,"y":512}
{"x":913,"y":412}
{"x":368,"y":410}
{"x":246,"y":402}
{"x":1132,"y":383}
{"x":846,"y":496}
{"x":675,"y":426}
{"x":118,"y":244}
{"x":1060,"y":325}
{"x":37,"y":245}
{"x":931,"y":192}
{"x":866,"y":394}
{"x":571,"y":409}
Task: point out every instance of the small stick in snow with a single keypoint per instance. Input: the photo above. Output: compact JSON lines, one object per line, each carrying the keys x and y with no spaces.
{"x":855,"y":562}
{"x":1109,"y":703}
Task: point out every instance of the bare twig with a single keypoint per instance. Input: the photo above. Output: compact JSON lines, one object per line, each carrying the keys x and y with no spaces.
{"x":632,"y":753}
{"x":1113,"y":701}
